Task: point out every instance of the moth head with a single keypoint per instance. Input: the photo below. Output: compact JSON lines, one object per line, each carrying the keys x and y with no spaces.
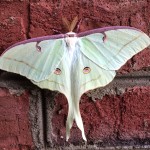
{"x":71,"y":34}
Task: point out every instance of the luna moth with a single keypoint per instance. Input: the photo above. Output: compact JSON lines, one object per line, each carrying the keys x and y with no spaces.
{"x":74,"y":63}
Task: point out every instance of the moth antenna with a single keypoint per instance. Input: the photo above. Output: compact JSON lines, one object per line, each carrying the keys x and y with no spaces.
{"x":78,"y":26}
{"x":74,"y":23}
{"x":66,"y":23}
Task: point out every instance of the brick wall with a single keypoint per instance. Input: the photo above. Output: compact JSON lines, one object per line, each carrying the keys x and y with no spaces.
{"x":116,"y":115}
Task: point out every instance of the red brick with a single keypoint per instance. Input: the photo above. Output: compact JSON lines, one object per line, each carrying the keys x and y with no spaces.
{"x":9,"y":142}
{"x":24,"y":136}
{"x":8,"y":128}
{"x":8,"y":105}
{"x":138,"y":20}
{"x":125,"y":116}
{"x":100,"y":119}
{"x":59,"y":117}
{"x":139,"y":61}
{"x":136,"y":116}
{"x":46,"y":16}
{"x":13,"y":32}
{"x":13,"y":23}
{"x":14,"y":119}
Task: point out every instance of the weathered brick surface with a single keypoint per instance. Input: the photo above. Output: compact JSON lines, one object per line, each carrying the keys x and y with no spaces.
{"x":46,"y":16}
{"x":135,"y":121}
{"x":13,"y":23}
{"x":114,"y":119}
{"x":14,"y":121}
{"x":121,"y":117}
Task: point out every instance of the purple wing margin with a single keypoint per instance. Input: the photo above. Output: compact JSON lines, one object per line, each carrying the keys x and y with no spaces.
{"x":102,"y":30}
{"x":38,"y":39}
{"x":99,"y":30}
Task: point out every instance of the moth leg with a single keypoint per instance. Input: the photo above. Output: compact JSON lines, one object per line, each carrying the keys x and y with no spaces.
{"x":38,"y":48}
{"x":105,"y":37}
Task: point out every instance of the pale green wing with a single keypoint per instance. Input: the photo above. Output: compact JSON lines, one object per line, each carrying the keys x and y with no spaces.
{"x":112,"y":48}
{"x":97,"y":57}
{"x":85,"y":75}
{"x":59,"y":80}
{"x":45,"y":63}
{"x":34,"y":60}
{"x":62,"y":83}
{"x":89,"y":75}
